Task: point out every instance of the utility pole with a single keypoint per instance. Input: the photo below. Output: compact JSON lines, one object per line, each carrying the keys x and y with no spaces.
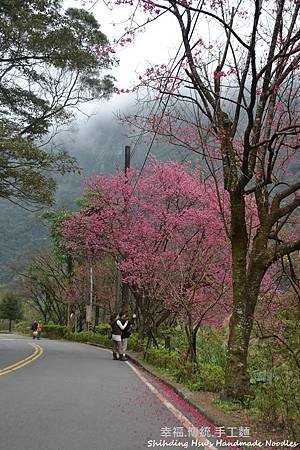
{"x":69,"y":272}
{"x":125,"y":288}
{"x":89,"y":307}
{"x":127,"y":158}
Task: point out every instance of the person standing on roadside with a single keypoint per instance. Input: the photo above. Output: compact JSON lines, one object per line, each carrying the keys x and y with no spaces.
{"x":39,"y":329}
{"x":34,"y":329}
{"x":126,"y":332}
{"x":116,"y":334}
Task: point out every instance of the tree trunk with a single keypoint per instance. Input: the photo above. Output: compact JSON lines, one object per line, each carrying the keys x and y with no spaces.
{"x":236,"y":375}
{"x":191,"y":334}
{"x":192,"y":349}
{"x":237,"y":384}
{"x":9,"y":325}
{"x":80,"y":323}
{"x":97,"y":315}
{"x":246,"y":281}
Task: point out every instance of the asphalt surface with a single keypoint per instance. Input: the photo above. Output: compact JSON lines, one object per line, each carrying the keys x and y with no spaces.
{"x":75,"y":397}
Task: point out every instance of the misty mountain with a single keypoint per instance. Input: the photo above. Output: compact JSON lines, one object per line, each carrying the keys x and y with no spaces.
{"x":98,"y":145}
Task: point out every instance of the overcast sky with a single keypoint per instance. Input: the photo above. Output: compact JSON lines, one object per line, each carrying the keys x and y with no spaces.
{"x":155,"y":45}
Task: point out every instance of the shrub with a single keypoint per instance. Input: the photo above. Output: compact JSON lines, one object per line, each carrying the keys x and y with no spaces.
{"x":103,"y":329}
{"x":136,"y":344}
{"x":186,"y":373}
{"x":163,"y":358}
{"x":23,"y":327}
{"x":55,"y":331}
{"x":277,"y":401}
{"x":274,"y":367}
{"x":82,"y":336}
{"x":90,"y":336}
{"x":211,"y":346}
{"x":200,"y":376}
{"x":210,"y":378}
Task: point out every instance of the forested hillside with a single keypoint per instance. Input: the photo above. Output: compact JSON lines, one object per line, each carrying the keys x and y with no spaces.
{"x":98,"y":145}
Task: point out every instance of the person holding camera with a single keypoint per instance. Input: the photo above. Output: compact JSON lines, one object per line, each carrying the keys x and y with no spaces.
{"x":117,"y":327}
{"x":126,"y":332}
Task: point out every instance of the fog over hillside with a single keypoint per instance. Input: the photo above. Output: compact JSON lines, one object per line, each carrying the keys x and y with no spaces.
{"x":98,"y":144}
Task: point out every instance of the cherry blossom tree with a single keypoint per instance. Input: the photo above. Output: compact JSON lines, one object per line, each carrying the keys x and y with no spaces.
{"x":231,"y":94}
{"x":165,"y":229}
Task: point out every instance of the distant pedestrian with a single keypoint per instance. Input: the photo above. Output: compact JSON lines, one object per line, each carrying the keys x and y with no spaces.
{"x":39,"y":329}
{"x":34,"y":329}
{"x":116,"y":331}
{"x":126,"y":332}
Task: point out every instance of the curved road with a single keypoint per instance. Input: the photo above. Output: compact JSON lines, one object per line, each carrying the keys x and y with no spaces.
{"x":71,"y":396}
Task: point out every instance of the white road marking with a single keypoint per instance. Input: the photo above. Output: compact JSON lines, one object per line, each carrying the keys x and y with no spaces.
{"x":179,"y":416}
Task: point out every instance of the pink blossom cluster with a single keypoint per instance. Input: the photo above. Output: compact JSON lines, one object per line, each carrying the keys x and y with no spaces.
{"x":147,"y":6}
{"x":104,"y":49}
{"x":202,"y":44}
{"x":221,"y":73}
{"x":165,"y":229}
{"x":125,"y":41}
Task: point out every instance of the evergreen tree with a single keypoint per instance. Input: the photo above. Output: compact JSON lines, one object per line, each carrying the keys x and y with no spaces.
{"x":10,"y":308}
{"x":50,"y":61}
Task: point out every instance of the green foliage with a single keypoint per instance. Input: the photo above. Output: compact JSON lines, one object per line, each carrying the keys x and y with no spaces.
{"x":211,"y":346}
{"x":136,"y":344}
{"x":228,"y":406}
{"x":163,"y":358}
{"x":25,"y":180}
{"x":56,"y":219}
{"x":187,"y":372}
{"x":21,"y":233}
{"x":275,"y":368}
{"x":55,"y":331}
{"x":23,"y":327}
{"x":94,"y":338}
{"x":103,"y":329}
{"x":46,"y":284}
{"x":61,"y":332}
{"x":10,"y":308}
{"x":200,"y":376}
{"x":277,"y":401}
{"x":48,"y":64}
{"x":209,"y":378}
{"x":196,"y":376}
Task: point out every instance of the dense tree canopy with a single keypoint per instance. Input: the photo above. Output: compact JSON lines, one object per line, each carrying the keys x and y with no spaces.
{"x":48,"y":65}
{"x":165,"y":229}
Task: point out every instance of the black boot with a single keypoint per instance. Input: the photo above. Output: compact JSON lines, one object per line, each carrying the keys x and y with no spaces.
{"x":123,"y":358}
{"x":115,"y":356}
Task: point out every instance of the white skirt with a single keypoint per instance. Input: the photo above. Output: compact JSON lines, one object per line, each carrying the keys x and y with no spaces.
{"x":116,"y":337}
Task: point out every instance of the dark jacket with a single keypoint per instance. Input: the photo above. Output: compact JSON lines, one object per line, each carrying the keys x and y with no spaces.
{"x":115,"y":329}
{"x":34,"y":326}
{"x":128,"y":330}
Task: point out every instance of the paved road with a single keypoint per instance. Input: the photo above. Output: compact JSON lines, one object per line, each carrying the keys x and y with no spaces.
{"x":74,"y":396}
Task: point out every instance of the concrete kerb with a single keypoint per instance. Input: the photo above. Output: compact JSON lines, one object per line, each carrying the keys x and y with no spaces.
{"x":176,"y":389}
